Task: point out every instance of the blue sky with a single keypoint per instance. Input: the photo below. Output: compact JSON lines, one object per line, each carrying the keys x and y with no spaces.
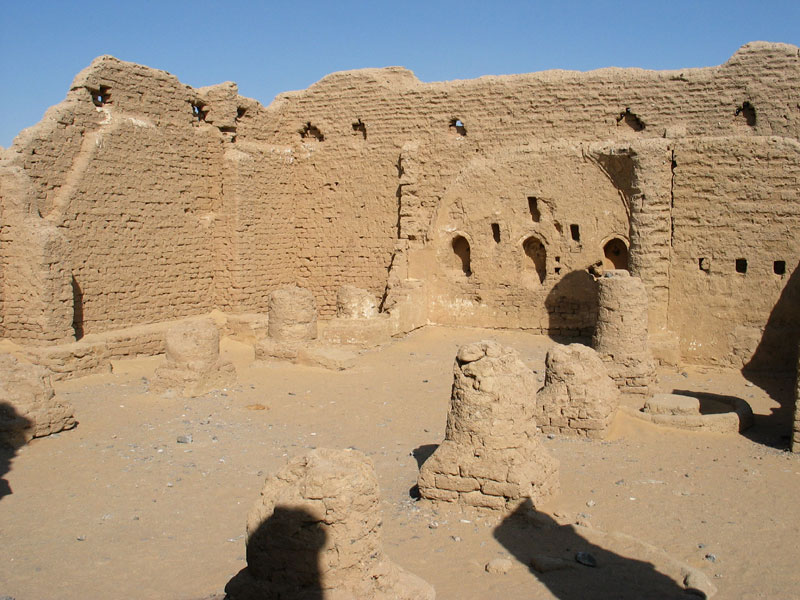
{"x":270,"y":47}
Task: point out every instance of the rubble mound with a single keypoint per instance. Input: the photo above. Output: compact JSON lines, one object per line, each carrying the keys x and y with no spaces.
{"x":578,"y":397}
{"x":29,"y":407}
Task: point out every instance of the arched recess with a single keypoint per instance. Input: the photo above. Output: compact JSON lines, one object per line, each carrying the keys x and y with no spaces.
{"x":536,"y":256}
{"x":615,"y":253}
{"x":461,"y":254}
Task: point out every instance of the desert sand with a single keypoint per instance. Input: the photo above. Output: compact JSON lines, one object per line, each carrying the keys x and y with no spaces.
{"x":148,"y":496}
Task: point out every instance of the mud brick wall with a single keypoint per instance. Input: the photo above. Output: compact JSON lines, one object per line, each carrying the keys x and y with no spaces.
{"x":735,"y":292}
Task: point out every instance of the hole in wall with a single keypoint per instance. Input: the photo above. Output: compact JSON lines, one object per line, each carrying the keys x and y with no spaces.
{"x":457,"y":126}
{"x":630,"y":119}
{"x":462,"y":253}
{"x":741,"y":265}
{"x":779,"y":267}
{"x":359,"y":127}
{"x":533,"y":208}
{"x":241,"y":111}
{"x":496,"y":233}
{"x":748,"y":111}
{"x":575,"y":232}
{"x":311,"y":131}
{"x":536,"y":252}
{"x":616,"y":254}
{"x":704,"y":264}
{"x":100,"y":96}
{"x":198,"y":111}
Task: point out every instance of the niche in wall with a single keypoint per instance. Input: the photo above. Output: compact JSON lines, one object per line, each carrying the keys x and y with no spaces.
{"x":461,"y":252}
{"x":536,"y":257}
{"x":533,"y":208}
{"x":615,"y":252}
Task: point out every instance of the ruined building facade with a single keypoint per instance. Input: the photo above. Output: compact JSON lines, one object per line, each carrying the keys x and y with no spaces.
{"x":139,"y":200}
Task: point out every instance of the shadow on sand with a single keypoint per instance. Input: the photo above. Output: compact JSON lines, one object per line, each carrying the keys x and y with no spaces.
{"x":11,"y":439}
{"x":534,"y":538}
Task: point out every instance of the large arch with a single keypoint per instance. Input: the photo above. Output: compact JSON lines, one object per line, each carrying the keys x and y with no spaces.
{"x":501,"y":203}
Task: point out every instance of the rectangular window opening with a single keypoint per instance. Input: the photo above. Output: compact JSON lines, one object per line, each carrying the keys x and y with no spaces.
{"x":779,"y":267}
{"x":741,"y":265}
{"x":575,"y":232}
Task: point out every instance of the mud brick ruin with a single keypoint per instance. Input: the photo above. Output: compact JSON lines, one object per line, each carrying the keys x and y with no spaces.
{"x":620,"y":336}
{"x":578,"y":397}
{"x":29,"y":407}
{"x":495,"y":202}
{"x":490,"y":457}
{"x":194,"y":366}
{"x":315,"y":533}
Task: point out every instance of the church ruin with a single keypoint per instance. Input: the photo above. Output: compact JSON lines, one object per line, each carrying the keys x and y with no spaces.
{"x":139,"y":200}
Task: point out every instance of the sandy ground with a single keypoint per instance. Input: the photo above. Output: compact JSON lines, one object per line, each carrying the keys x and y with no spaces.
{"x":116,"y":508}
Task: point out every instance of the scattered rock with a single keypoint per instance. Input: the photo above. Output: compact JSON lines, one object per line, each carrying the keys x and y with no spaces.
{"x":544,"y":564}
{"x":585,"y":558}
{"x":185,"y":439}
{"x":499,"y":566}
{"x":698,"y":584}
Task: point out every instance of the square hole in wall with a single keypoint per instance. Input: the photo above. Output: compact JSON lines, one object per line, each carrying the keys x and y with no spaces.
{"x":704,"y":264}
{"x":779,"y":267}
{"x":575,"y":232}
{"x":741,"y":265}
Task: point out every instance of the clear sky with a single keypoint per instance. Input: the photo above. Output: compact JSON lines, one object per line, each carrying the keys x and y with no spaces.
{"x":269,"y":47}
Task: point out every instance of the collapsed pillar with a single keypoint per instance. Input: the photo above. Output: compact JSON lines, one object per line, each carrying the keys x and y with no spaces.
{"x":315,"y":533}
{"x":292,"y":315}
{"x":578,"y":397}
{"x":194,"y":366}
{"x":355,"y":303}
{"x":357,"y":321}
{"x":292,"y":322}
{"x":490,"y":457}
{"x":620,"y":336}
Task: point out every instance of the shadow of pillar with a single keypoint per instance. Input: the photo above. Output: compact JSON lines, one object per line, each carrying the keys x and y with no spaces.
{"x":533,"y":537}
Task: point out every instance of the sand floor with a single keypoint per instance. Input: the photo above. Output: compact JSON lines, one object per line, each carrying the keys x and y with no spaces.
{"x":116,"y":508}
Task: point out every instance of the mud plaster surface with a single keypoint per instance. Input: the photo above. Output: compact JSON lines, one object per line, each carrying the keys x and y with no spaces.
{"x":166,"y":520}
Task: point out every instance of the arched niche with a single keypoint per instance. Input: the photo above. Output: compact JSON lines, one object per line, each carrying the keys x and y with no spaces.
{"x":615,"y":253}
{"x":535,"y":257}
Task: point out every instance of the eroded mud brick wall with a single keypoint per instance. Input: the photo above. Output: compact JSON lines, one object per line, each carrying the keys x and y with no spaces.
{"x":120,"y":169}
{"x":498,"y":191}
